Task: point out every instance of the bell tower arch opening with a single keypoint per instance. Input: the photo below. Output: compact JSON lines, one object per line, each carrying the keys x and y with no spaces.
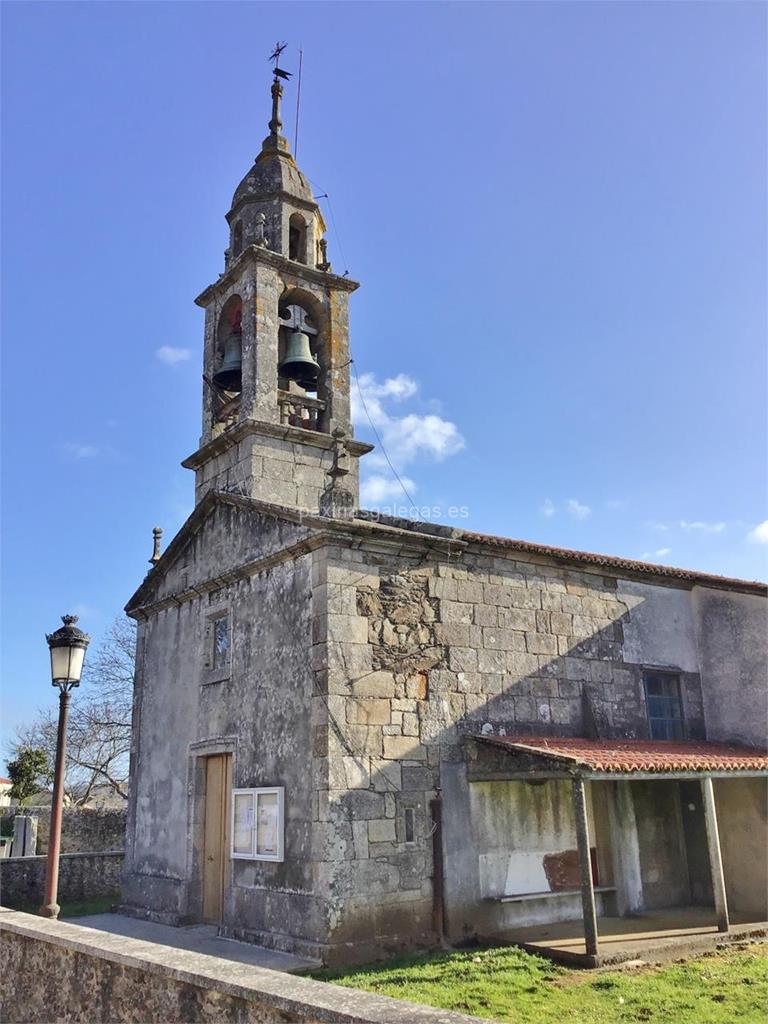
{"x":237,"y":239}
{"x":228,"y":348}
{"x":297,"y":238}
{"x":302,"y":367}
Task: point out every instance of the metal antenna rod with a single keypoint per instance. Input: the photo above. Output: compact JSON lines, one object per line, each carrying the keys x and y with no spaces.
{"x":298,"y":102}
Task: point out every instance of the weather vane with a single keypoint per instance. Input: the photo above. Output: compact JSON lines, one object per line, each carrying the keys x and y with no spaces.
{"x":275,"y":56}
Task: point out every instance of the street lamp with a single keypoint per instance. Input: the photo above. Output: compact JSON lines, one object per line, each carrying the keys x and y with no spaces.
{"x":67,"y":646}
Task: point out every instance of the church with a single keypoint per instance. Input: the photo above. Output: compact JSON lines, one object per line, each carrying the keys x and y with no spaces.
{"x":355,"y":734}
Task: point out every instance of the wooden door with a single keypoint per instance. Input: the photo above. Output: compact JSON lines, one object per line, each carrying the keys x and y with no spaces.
{"x":218,"y":778}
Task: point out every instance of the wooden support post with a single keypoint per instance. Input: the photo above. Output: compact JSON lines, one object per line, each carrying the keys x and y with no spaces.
{"x":715,"y":858}
{"x":585,"y":867}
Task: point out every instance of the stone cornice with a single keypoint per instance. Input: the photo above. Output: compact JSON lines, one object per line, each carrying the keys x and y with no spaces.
{"x":281,"y":194}
{"x":246,"y":428}
{"x":251,"y":568}
{"x":321,"y":530}
{"x":585,"y":561}
{"x":414,"y":535}
{"x":257,"y":254}
{"x":387,"y":538}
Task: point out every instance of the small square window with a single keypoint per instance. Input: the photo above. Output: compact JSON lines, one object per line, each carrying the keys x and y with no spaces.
{"x":664,"y":706}
{"x":217,"y":646}
{"x":220,"y":637}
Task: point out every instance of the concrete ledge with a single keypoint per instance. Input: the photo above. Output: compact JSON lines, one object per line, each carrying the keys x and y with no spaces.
{"x":63,"y":972}
{"x":549,"y":894}
{"x":650,"y":950}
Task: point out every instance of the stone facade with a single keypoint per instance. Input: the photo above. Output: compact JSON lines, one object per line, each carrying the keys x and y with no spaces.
{"x":258,"y":708}
{"x":367,"y":654}
{"x":365,"y":657}
{"x":424,"y":649}
{"x":281,"y":464}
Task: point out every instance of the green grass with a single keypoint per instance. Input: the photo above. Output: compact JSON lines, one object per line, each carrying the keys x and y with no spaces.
{"x":95,"y":905}
{"x":78,"y":908}
{"x":508,"y":984}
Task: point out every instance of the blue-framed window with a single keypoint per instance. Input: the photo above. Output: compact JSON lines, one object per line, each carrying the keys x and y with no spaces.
{"x":664,"y":706}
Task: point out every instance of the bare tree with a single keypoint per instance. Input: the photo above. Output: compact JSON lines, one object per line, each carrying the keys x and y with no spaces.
{"x":99,"y":734}
{"x":109,"y":677}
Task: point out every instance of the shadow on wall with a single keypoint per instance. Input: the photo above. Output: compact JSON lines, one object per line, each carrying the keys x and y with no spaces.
{"x":504,"y":670}
{"x":446,"y":665}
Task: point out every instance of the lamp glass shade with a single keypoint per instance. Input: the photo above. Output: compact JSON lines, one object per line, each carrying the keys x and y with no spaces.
{"x":67,"y":664}
{"x":68,"y":646}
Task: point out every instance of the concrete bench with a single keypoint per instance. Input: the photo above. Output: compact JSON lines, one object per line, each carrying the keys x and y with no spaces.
{"x":549,"y":894}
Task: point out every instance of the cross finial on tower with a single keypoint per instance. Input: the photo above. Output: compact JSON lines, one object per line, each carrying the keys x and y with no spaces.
{"x":275,"y":55}
{"x":275,"y":124}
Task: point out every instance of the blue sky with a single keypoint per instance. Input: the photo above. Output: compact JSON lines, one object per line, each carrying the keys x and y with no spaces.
{"x":558,"y":216}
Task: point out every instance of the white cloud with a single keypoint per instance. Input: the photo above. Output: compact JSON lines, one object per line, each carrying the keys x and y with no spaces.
{"x":614,"y":503}
{"x":548,"y":508}
{"x":406,"y":437}
{"x":760,"y":533}
{"x":659,"y":553}
{"x":577,"y":510}
{"x":368,"y":395}
{"x":85,"y":611}
{"x":171,"y":356}
{"x":378,"y":489}
{"x":87,"y":451}
{"x":697,"y":526}
{"x":400,"y":387}
{"x":81,"y":451}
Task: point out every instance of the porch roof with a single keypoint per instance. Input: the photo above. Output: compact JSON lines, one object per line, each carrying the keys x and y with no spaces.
{"x":627,"y":757}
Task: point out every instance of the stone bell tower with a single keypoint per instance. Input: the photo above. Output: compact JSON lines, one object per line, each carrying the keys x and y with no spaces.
{"x":276,"y":403}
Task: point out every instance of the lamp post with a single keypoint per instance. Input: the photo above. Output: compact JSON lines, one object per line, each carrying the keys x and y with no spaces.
{"x":67,"y":646}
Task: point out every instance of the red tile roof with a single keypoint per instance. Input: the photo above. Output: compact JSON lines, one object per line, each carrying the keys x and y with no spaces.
{"x":626,"y":756}
{"x":565,"y":554}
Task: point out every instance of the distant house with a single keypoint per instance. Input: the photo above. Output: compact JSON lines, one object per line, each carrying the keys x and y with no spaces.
{"x":5,"y":792}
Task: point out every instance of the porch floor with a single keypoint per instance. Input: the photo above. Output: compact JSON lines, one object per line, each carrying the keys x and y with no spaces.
{"x":199,"y":938}
{"x":653,"y":935}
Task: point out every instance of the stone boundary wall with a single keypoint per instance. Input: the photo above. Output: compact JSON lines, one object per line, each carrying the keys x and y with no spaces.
{"x":57,"y":971}
{"x":83,"y":829}
{"x":81,"y":876}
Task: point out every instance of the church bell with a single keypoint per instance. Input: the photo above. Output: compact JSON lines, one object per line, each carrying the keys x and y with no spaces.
{"x":229,"y":375}
{"x":299,"y":364}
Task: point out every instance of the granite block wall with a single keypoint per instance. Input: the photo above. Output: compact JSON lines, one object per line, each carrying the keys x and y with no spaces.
{"x":416,"y":655}
{"x":58,"y":971}
{"x":81,"y":876}
{"x":83,"y":829}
